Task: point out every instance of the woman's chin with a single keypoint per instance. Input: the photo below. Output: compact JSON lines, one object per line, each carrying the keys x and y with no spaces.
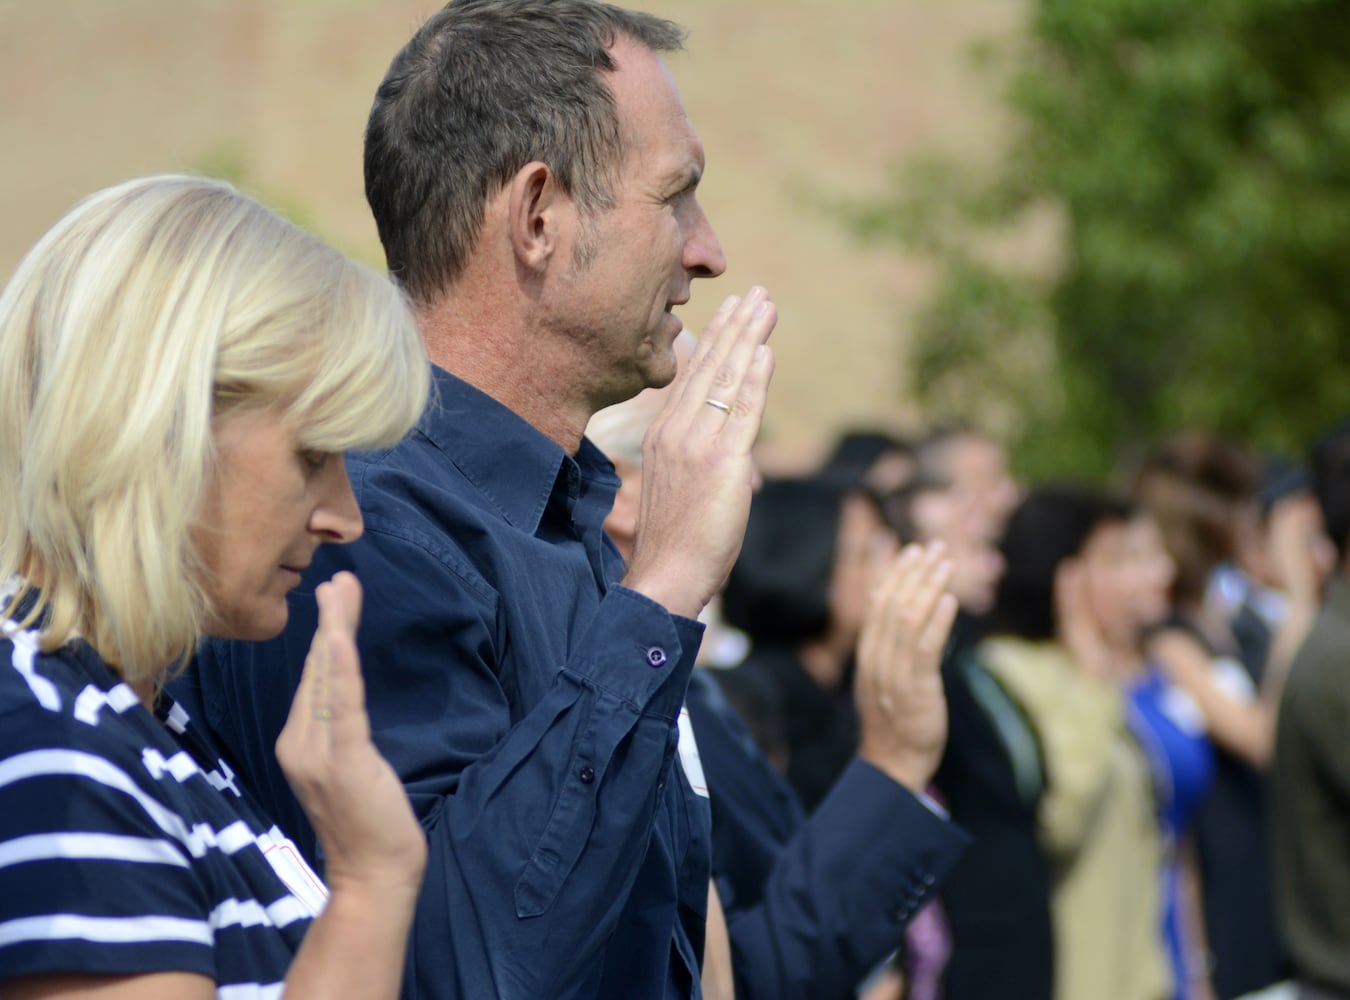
{"x":254,"y":625}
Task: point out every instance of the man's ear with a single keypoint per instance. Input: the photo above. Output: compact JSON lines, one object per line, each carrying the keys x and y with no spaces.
{"x":534,"y":204}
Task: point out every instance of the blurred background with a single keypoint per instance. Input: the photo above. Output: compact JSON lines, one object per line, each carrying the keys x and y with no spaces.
{"x":1069,"y":224}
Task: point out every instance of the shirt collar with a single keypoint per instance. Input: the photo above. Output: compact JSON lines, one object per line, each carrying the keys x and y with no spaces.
{"x":513,"y":464}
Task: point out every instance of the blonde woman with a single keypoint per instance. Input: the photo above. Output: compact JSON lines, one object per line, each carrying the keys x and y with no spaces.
{"x":180,"y":372}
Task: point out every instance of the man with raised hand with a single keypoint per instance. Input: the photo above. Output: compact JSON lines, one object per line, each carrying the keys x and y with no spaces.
{"x":533,"y":177}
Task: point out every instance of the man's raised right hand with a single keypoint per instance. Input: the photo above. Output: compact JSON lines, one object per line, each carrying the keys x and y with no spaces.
{"x":697,"y":470}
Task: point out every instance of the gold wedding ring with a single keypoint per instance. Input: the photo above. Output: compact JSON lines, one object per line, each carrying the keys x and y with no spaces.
{"x":717,"y":404}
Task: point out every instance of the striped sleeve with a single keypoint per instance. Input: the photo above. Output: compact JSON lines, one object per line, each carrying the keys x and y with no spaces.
{"x":95,"y":874}
{"x":123,"y":849}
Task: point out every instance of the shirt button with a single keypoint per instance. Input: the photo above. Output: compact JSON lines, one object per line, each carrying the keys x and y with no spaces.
{"x":656,"y":656}
{"x":587,"y":775}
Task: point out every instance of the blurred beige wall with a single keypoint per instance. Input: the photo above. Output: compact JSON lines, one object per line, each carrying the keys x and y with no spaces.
{"x":794,"y":99}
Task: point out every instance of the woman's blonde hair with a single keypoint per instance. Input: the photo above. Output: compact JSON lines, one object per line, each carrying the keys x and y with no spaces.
{"x":149,"y":311}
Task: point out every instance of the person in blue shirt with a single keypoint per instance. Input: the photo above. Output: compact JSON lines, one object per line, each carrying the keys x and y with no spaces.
{"x":533,"y":177}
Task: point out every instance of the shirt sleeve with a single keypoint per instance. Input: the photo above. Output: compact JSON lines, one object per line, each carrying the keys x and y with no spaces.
{"x":838,"y":898}
{"x":537,"y":817}
{"x":93,"y":876}
{"x":813,"y":904}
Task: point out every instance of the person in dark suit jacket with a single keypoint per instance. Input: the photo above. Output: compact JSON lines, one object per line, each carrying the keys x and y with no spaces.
{"x":815,"y":902}
{"x":997,"y":898}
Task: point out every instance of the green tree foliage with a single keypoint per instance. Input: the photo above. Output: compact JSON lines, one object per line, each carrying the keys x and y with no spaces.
{"x":1199,"y":157}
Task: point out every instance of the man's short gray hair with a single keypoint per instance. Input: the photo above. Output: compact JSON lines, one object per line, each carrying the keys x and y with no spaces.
{"x":483,"y":88}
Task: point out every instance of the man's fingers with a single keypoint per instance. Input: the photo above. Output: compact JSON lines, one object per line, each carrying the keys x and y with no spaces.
{"x":717,"y":372}
{"x":711,"y":337}
{"x":741,"y":428}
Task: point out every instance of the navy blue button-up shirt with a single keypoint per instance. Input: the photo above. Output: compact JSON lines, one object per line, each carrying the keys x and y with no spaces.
{"x":528,"y":702}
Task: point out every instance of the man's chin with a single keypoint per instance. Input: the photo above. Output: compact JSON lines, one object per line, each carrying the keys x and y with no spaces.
{"x":660,"y":367}
{"x":660,"y":373}
{"x":659,"y":379}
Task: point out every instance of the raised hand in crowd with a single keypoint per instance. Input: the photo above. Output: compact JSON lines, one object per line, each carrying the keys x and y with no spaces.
{"x":902,"y":711}
{"x":1077,"y":627}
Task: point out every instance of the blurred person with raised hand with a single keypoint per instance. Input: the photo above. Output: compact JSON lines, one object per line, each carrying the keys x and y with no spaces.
{"x":996,"y":900}
{"x":1270,"y":594}
{"x":1311,"y":770}
{"x":815,"y":901}
{"x":1120,"y":584}
{"x":799,"y":591}
{"x":1203,"y":492}
{"x":180,"y":373}
{"x":1095,"y":817}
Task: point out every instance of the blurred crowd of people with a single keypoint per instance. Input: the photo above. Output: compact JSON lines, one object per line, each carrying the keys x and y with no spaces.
{"x":1113,"y":683}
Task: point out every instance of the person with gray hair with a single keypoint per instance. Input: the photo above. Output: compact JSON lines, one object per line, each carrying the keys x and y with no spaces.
{"x":180,"y":372}
{"x":533,"y":177}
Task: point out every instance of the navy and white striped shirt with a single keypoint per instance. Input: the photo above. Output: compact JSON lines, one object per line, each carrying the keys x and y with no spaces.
{"x":126,"y":845}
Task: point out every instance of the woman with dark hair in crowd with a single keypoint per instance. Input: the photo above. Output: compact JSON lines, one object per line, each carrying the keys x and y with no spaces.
{"x":1096,"y":815}
{"x":799,"y":591}
{"x":1124,"y":573}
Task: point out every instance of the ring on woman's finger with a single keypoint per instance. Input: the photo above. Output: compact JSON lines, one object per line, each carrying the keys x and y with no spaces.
{"x":717,"y":404}
{"x":323,"y":714}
